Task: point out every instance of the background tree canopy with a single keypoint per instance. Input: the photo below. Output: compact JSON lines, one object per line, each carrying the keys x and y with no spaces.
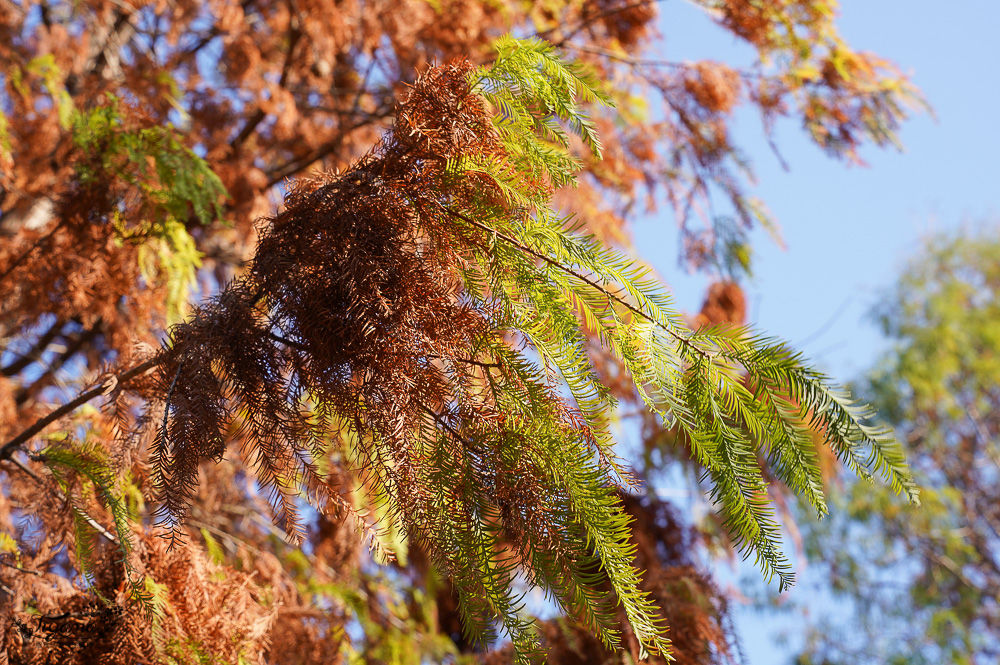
{"x":415,"y":350}
{"x":924,"y":583}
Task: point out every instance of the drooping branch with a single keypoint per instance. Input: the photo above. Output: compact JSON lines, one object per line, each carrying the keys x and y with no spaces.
{"x":97,"y":526}
{"x":583,"y":278}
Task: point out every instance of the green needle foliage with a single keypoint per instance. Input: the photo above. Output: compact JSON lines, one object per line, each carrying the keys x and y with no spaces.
{"x":173,"y":181}
{"x":84,"y":469}
{"x":170,"y":188}
{"x":730,"y":392}
{"x":430,"y":308}
{"x":937,"y":383}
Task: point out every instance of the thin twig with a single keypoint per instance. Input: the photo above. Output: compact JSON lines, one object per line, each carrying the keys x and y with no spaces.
{"x":302,"y":347}
{"x":648,"y":62}
{"x":26,"y":435}
{"x":259,"y":115}
{"x":36,"y":351}
{"x":286,"y":342}
{"x":90,"y":520}
{"x":984,"y":436}
{"x":73,"y":615}
{"x":356,"y":104}
{"x":268,"y":526}
{"x":486,"y":366}
{"x":166,"y":405}
{"x":225,"y":535}
{"x":468,"y":443}
{"x":20,"y":569}
{"x":24,"y":467}
{"x":98,"y":526}
{"x":823,"y":329}
{"x":583,"y":278}
{"x":590,"y":20}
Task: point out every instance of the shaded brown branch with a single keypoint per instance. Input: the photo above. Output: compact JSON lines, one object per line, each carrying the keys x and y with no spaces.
{"x":469,"y":444}
{"x":75,"y":345}
{"x":166,"y":403}
{"x":36,"y":351}
{"x":20,"y":569}
{"x":26,"y":435}
{"x":279,"y":173}
{"x":259,"y":114}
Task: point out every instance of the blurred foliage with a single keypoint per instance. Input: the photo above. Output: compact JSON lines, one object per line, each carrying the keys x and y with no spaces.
{"x":170,"y":184}
{"x":924,"y":585}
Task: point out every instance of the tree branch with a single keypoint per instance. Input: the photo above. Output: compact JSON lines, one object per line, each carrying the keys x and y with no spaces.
{"x":20,"y":569}
{"x":97,"y":526}
{"x":647,"y":62}
{"x":166,"y":406}
{"x":36,"y":351}
{"x":590,"y":20}
{"x":259,"y":115}
{"x":583,"y":278}
{"x":75,"y":345}
{"x":25,"y":436}
{"x":468,"y":443}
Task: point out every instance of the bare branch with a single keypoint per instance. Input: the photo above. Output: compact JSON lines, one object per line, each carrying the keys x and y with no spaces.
{"x":25,"y":436}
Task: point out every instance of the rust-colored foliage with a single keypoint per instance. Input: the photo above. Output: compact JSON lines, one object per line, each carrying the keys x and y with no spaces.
{"x":78,"y":268}
{"x":350,"y":321}
{"x":203,"y":607}
{"x":725,"y":304}
{"x":359,"y":270}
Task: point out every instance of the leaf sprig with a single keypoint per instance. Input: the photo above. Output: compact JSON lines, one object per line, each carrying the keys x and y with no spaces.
{"x":733,"y":394}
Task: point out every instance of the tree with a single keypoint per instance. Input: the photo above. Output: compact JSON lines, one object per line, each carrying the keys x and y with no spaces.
{"x":411,"y":344}
{"x":926,"y":583}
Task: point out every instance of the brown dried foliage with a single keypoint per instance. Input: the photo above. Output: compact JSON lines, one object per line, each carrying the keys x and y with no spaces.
{"x":725,"y":303}
{"x":713,"y":85}
{"x":353,"y":306}
{"x":356,"y":276}
{"x":202,"y":607}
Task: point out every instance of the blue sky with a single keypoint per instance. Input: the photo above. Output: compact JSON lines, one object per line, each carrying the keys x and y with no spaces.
{"x":850,"y":230}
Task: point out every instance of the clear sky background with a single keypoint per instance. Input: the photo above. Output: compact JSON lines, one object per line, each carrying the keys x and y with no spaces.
{"x":850,"y":230}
